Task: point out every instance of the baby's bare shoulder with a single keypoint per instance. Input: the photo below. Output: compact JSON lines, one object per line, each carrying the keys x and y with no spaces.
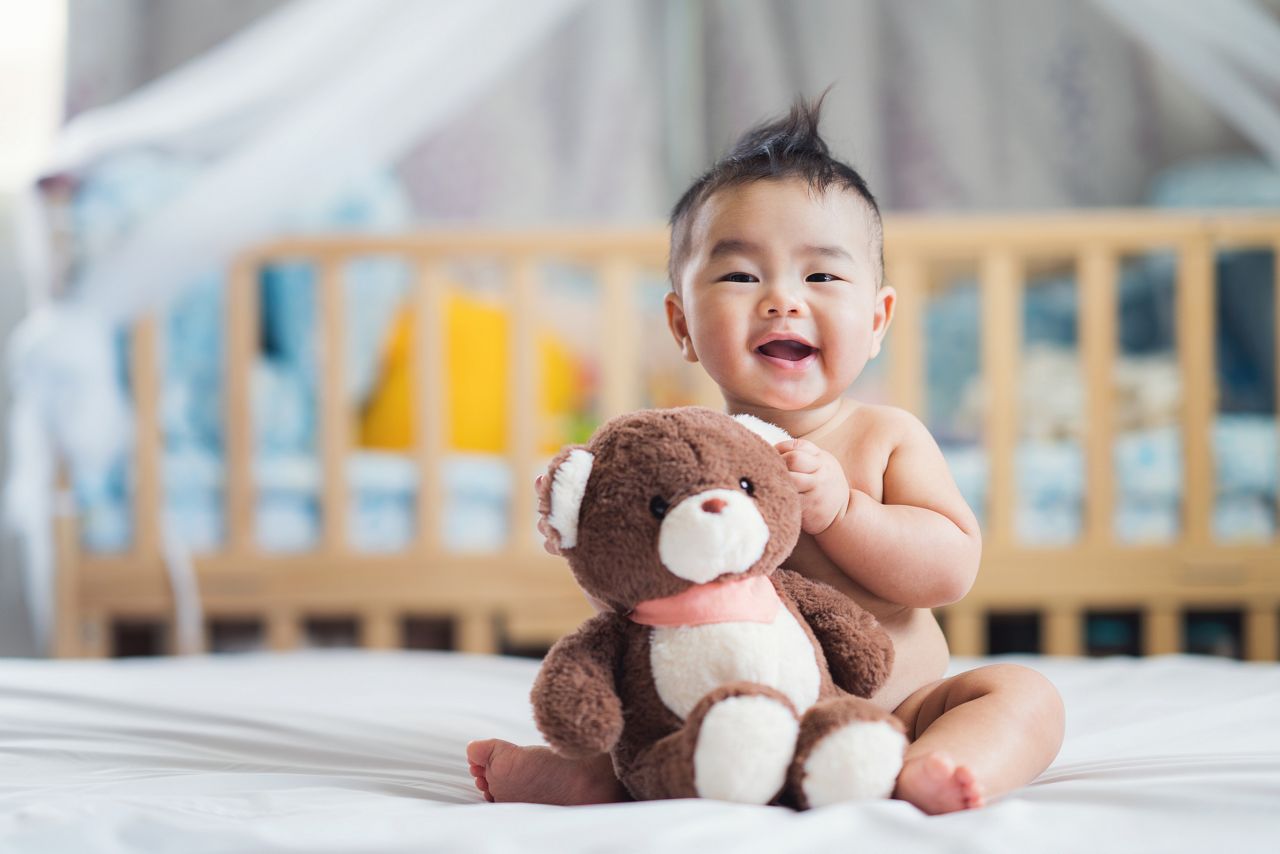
{"x":916,"y":471}
{"x":885,"y":425}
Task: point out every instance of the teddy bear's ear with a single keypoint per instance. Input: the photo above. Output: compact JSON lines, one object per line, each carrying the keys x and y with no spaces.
{"x":562,"y":499}
{"x":771,"y":433}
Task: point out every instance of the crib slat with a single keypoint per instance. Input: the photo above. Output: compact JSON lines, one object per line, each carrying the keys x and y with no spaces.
{"x":284,"y":630}
{"x":966,"y":630}
{"x":523,"y":420}
{"x":144,"y":369}
{"x":335,"y":416}
{"x":477,"y":632}
{"x":1001,"y":279}
{"x":1064,"y":633}
{"x":378,"y":630}
{"x":1098,"y":344}
{"x":1262,"y":631}
{"x":909,"y":277}
{"x":431,"y":415}
{"x":1161,"y":629}
{"x":621,"y":380}
{"x":241,"y":350}
{"x":1196,"y":329}
{"x":1275,"y":337}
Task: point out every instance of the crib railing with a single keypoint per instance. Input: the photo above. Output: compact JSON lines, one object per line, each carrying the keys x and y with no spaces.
{"x":520,"y":593}
{"x":1062,"y":582}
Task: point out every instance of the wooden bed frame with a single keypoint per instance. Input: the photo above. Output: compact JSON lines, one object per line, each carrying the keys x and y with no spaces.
{"x":521,"y":596}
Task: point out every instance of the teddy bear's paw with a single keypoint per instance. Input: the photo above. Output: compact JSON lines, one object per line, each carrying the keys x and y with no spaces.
{"x":744,"y":748}
{"x":858,"y":761}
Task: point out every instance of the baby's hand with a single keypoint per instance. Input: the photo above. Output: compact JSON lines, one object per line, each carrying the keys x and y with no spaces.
{"x":820,"y":480}
{"x":549,"y":542}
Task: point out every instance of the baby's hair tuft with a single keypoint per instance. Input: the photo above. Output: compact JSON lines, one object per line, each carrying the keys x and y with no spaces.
{"x":787,"y":147}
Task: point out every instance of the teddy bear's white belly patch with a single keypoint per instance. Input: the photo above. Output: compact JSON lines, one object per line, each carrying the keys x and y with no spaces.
{"x":689,"y":661}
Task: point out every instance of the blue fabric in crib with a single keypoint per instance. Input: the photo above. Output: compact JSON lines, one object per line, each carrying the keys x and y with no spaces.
{"x":1049,"y":477}
{"x":1050,"y":483}
{"x":382,"y":515}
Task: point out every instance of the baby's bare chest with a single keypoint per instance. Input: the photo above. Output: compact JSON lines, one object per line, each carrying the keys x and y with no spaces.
{"x":863,"y":453}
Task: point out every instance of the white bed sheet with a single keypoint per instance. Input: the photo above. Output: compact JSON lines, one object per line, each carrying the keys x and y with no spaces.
{"x":361,"y":751}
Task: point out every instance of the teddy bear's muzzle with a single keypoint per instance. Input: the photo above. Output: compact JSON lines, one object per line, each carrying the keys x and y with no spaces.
{"x":712,"y":533}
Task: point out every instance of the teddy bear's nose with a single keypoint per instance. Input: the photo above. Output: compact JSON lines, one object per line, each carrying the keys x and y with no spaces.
{"x":713,"y":505}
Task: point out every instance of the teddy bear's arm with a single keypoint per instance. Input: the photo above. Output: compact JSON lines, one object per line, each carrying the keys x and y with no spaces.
{"x":575,"y":700}
{"x":859,"y":651}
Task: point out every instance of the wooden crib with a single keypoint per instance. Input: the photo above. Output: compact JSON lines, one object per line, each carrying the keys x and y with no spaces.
{"x":519,"y":597}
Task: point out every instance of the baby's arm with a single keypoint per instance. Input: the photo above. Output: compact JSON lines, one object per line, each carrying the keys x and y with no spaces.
{"x":920,"y":547}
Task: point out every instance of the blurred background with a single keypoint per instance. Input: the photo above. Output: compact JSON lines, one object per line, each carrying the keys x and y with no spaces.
{"x":145,"y":142}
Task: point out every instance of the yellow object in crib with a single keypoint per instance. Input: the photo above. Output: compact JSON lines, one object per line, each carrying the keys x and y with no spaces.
{"x":477,"y":356}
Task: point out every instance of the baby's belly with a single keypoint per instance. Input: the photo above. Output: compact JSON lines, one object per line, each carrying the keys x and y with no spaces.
{"x":920,"y":656}
{"x":689,"y":661}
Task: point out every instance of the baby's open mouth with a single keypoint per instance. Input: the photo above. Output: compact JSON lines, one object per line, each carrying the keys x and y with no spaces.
{"x":792,"y":351}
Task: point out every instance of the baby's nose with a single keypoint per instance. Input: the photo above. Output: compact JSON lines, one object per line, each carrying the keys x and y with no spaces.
{"x":713,"y":505}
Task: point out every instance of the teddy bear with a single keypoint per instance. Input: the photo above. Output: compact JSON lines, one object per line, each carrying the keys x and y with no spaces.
{"x":713,"y":672}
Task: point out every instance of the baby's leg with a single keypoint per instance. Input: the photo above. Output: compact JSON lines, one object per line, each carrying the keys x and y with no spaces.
{"x":977,"y":736}
{"x":536,"y":775}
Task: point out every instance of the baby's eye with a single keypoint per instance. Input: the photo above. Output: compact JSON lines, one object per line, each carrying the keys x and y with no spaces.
{"x":820,"y":277}
{"x":738,"y":277}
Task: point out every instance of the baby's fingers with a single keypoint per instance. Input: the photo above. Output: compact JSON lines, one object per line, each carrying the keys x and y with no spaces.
{"x":803,"y":481}
{"x":545,"y":529}
{"x":801,"y":461}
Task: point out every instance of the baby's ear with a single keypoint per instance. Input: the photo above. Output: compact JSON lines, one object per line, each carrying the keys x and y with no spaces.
{"x":771,"y":433}
{"x":560,"y":493}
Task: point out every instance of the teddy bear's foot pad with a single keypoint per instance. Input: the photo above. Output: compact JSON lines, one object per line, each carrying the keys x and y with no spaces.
{"x":745,"y":745}
{"x":858,"y":761}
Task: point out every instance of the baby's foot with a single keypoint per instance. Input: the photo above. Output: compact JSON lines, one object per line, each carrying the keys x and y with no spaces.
{"x":936,"y":785}
{"x":537,"y":775}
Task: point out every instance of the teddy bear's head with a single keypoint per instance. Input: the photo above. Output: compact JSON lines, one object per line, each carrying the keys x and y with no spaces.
{"x":661,"y":500}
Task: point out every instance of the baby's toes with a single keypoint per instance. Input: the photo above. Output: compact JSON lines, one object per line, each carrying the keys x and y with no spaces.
{"x":481,"y":781}
{"x":936,"y":784}
{"x":970,"y":788}
{"x":479,"y":755}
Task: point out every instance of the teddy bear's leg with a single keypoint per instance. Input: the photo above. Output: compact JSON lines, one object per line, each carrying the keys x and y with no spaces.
{"x":848,"y":750}
{"x":736,"y":745}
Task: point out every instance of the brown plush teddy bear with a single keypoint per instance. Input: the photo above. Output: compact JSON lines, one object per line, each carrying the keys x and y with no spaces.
{"x":716,"y":674}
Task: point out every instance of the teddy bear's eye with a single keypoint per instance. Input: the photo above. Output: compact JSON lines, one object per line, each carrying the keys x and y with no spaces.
{"x":747,"y":486}
{"x":658,"y":506}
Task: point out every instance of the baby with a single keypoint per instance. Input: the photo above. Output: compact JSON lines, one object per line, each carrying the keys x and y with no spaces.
{"x":776,"y":268}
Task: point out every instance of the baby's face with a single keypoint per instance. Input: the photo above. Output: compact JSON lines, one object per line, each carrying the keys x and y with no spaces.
{"x":778,"y":296}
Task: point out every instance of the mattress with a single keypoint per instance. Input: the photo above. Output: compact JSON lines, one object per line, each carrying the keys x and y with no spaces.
{"x":263,"y":753}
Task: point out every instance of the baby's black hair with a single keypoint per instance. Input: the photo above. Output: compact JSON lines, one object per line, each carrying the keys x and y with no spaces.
{"x":788,"y":147}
